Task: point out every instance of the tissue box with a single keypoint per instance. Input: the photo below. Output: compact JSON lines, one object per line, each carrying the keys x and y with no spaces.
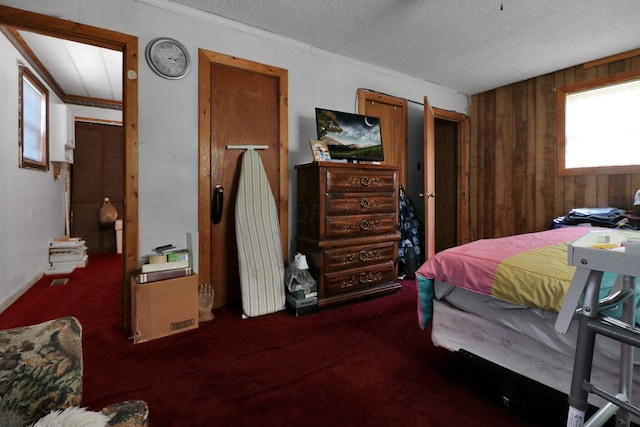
{"x":300,"y":307}
{"x":304,"y":294}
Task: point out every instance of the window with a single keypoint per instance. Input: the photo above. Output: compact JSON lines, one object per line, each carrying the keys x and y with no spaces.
{"x":598,"y":128}
{"x":33,"y":109}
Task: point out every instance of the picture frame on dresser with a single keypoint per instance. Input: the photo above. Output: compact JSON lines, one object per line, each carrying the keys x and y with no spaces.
{"x":320,"y":151}
{"x":348,"y":228}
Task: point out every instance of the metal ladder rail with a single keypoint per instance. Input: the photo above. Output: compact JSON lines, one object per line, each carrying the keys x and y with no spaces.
{"x":592,"y":323}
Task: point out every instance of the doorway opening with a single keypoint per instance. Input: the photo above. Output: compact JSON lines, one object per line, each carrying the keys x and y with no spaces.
{"x":128,"y":45}
{"x":446,"y":170}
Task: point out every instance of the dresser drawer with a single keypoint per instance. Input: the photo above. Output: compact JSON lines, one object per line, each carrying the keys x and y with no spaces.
{"x":359,"y":203}
{"x":360,"y":256}
{"x":360,"y":225}
{"x":341,"y":180}
{"x":347,"y":281}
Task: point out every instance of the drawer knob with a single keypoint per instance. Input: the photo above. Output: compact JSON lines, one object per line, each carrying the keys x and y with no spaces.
{"x":370,"y":277}
{"x":365,"y":181}
{"x":363,"y":256}
{"x":364,"y":203}
{"x":364,"y":224}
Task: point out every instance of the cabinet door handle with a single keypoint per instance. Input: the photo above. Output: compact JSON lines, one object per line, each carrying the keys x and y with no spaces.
{"x":217,"y":202}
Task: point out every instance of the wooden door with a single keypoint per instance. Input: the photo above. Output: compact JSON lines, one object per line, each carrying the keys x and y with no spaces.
{"x":97,"y":172}
{"x":241,"y":103}
{"x":429,"y":180}
{"x":393,"y":116}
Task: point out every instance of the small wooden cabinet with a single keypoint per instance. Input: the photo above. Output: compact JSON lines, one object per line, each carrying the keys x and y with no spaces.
{"x":348,"y":228}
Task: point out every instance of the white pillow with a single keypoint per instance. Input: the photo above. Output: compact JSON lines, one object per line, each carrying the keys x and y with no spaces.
{"x":73,"y":417}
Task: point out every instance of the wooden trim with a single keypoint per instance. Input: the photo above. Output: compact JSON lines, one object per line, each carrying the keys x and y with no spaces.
{"x":205,"y":58}
{"x":94,"y":120}
{"x":612,"y":58}
{"x":601,"y":81}
{"x":42,"y":164}
{"x":429,"y":180}
{"x":367,"y":94}
{"x":449,"y":115}
{"x":131,"y":245}
{"x":127,"y":44}
{"x":62,"y":28}
{"x":204,"y":164}
{"x":92,"y":102}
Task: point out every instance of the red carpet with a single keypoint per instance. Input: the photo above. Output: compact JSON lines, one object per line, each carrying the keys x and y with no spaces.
{"x":361,"y":364}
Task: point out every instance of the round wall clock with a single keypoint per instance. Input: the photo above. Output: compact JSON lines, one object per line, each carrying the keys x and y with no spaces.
{"x":168,"y":58}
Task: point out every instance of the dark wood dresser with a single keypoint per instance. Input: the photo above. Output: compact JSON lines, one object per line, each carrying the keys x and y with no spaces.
{"x":348,"y":228}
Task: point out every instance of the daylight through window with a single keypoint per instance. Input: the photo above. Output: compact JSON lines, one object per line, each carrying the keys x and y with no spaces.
{"x":601,"y":132}
{"x":33,"y":122}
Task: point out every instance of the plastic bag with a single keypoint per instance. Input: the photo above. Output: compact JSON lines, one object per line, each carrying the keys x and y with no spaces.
{"x":297,"y":276}
{"x":108,"y":213}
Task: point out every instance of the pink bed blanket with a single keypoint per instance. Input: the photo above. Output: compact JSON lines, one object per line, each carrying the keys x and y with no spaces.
{"x":528,"y":269}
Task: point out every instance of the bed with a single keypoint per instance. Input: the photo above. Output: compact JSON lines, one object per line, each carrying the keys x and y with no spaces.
{"x":499,"y":299}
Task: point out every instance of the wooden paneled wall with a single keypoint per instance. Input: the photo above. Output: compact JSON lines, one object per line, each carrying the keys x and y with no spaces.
{"x":514,"y":185}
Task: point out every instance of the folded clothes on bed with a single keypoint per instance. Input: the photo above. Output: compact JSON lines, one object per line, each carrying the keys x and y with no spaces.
{"x":597,"y":217}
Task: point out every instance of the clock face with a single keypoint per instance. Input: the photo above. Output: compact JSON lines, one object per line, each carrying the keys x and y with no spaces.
{"x":168,"y":58}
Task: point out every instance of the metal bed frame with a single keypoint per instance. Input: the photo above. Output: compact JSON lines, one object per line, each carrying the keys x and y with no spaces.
{"x":591,"y":264}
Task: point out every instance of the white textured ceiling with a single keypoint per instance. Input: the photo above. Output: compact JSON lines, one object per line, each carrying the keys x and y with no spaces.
{"x":468,"y":45}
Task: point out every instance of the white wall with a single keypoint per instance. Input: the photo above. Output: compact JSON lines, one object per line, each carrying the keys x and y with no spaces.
{"x":168,"y":114}
{"x":31,"y":201}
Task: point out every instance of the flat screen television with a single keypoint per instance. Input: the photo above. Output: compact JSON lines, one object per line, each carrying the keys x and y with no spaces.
{"x":350,"y":136}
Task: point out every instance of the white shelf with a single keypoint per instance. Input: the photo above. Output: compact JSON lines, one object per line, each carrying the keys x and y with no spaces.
{"x":583,"y":254}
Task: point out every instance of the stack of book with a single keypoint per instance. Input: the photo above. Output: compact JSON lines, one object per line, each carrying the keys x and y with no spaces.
{"x":167,"y":262}
{"x":66,"y":255}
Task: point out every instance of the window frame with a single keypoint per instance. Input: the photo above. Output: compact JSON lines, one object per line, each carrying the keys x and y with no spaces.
{"x":561,"y":97}
{"x":28,"y":77}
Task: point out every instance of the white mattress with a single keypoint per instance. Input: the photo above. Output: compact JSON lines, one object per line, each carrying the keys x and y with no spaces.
{"x":520,"y":339}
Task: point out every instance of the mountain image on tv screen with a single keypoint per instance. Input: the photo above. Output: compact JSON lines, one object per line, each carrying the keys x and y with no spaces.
{"x":350,"y":136}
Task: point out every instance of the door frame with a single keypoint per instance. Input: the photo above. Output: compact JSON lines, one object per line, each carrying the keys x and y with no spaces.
{"x":205,"y":192}
{"x":128,"y":45}
{"x":463,"y":214}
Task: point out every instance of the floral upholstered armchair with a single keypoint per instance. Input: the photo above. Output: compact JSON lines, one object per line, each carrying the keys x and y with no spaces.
{"x":41,"y":370}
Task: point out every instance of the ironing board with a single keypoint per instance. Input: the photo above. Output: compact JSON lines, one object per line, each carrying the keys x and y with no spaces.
{"x":260,"y":258}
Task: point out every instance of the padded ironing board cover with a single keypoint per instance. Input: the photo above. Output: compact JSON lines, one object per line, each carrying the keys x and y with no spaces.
{"x":260,"y":257}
